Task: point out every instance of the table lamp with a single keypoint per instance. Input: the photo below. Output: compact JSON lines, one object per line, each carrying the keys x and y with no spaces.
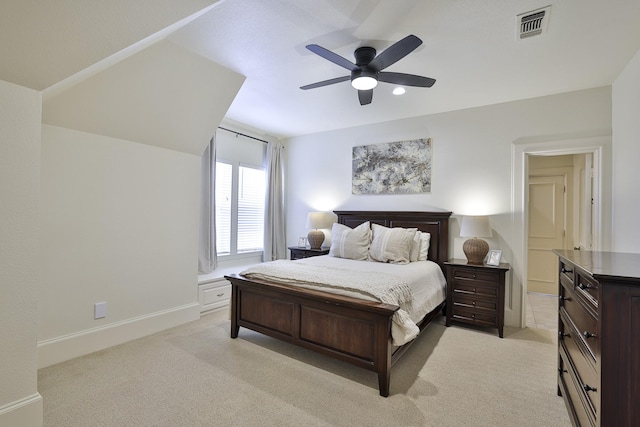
{"x":475,"y":226}
{"x":315,"y":221}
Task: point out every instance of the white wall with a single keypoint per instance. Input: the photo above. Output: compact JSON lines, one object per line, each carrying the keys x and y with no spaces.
{"x":119,"y":225}
{"x":20,"y":109}
{"x":626,"y":152}
{"x":471,"y":164}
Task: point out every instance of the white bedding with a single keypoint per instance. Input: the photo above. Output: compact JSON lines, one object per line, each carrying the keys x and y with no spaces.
{"x":423,"y":280}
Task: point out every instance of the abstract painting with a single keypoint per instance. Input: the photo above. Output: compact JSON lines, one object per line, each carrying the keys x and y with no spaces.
{"x":400,"y":167}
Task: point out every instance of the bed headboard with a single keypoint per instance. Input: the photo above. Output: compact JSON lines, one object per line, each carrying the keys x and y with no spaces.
{"x":435,"y":223}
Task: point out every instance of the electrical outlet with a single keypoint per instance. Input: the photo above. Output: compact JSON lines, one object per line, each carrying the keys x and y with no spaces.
{"x":100,"y":310}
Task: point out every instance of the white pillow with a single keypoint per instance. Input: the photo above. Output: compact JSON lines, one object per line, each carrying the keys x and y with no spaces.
{"x":392,"y":244}
{"x":425,"y":241}
{"x":414,"y":251}
{"x":351,"y":243}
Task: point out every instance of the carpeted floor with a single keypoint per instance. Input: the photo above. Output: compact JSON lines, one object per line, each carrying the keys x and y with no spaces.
{"x":195,"y":375}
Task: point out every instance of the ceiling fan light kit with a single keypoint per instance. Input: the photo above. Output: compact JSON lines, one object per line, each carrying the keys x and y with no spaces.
{"x":367,"y":71}
{"x":364,"y":82}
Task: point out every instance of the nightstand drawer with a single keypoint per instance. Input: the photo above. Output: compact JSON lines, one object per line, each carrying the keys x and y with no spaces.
{"x":471,"y":288}
{"x":300,"y":252}
{"x":478,"y":317}
{"x":476,"y":275}
{"x":473,"y":302}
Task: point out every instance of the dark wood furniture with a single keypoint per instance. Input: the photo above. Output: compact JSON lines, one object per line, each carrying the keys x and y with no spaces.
{"x":299,"y":252}
{"x":599,"y":337}
{"x":348,"y":329}
{"x":475,"y":294}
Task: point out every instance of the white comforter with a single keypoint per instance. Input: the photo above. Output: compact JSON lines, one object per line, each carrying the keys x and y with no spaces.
{"x":417,"y":287}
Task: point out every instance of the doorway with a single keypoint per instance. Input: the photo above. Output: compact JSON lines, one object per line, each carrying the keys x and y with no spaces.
{"x":599,"y":147}
{"x":559,"y":207}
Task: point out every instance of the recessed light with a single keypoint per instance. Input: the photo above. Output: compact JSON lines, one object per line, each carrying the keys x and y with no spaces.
{"x":398,"y":91}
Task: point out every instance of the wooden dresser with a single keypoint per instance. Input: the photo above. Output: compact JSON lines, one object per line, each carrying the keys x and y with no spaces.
{"x":599,"y":337}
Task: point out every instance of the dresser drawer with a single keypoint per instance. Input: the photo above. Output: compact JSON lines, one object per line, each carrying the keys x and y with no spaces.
{"x":573,"y":392}
{"x":587,"y":289}
{"x":581,"y":361}
{"x":566,"y":272}
{"x":582,"y":321}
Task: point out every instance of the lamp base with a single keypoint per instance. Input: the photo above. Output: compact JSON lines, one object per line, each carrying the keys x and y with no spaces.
{"x":475,"y":250}
{"x":316,"y":237}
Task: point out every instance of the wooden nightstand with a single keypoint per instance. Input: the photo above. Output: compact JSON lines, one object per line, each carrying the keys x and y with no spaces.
{"x":475,"y":293}
{"x":299,"y":252}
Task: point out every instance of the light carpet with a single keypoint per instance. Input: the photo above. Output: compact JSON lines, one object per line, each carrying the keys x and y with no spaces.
{"x":195,"y":375}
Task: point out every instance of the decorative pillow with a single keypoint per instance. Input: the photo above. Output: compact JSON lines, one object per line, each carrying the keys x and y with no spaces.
{"x":351,"y":243}
{"x":425,"y":240}
{"x":414,"y":252}
{"x":392,"y":244}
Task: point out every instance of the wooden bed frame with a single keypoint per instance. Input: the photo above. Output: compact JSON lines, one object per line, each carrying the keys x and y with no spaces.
{"x":347,"y":329}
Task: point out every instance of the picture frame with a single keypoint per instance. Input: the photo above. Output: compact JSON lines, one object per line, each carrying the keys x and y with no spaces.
{"x":494,"y":257}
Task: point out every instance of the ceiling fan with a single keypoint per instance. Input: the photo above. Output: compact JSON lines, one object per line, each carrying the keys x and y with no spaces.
{"x":367,"y":70}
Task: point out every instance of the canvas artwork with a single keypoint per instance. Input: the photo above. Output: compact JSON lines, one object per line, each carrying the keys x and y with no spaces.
{"x":392,"y":168}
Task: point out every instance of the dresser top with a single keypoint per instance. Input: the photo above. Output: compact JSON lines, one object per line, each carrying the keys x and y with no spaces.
{"x":605,"y":265}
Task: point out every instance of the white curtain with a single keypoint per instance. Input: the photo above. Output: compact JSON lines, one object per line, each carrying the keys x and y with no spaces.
{"x":275,"y":246}
{"x":207,"y":258}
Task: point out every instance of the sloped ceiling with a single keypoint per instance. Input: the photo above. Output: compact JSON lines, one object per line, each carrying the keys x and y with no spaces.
{"x":45,"y":42}
{"x":163,"y":96}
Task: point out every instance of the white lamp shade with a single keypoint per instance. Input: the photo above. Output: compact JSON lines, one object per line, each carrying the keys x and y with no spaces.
{"x":318,"y":220}
{"x":475,"y":226}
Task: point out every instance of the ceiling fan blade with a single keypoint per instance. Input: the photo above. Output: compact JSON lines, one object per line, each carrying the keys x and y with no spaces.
{"x":395,"y":52}
{"x":333,"y":57}
{"x":405,"y":79}
{"x":365,"y":96}
{"x":326,"y":82}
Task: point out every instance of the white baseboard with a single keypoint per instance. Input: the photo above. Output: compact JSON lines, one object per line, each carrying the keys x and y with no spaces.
{"x":25,"y":412}
{"x":60,"y":349}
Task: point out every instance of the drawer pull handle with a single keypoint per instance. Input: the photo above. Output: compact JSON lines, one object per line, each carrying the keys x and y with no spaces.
{"x":564,"y":270}
{"x":562,"y":371}
{"x":475,"y":290}
{"x":588,"y":335}
{"x":474,"y":303}
{"x":219,"y":295}
{"x":561,"y":335}
{"x":588,"y":388}
{"x":563,"y":298}
{"x":583,"y":286}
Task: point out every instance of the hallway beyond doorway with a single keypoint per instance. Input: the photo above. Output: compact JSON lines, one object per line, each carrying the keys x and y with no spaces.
{"x":542,"y":311}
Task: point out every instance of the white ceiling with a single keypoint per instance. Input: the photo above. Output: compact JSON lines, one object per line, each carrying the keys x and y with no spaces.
{"x":470,"y":47}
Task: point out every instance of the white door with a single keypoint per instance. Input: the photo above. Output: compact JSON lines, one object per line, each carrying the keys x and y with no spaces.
{"x":546,"y":232}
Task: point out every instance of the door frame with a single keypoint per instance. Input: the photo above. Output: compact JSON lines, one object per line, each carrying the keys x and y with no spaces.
{"x":600,"y":147}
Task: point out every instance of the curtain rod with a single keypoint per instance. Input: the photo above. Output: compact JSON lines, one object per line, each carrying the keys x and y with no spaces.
{"x":243,"y":134}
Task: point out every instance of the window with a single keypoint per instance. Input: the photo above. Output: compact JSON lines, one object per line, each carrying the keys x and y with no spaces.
{"x":240,"y":198}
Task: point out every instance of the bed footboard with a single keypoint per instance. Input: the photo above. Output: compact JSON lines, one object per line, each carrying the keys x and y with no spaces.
{"x":347,"y":329}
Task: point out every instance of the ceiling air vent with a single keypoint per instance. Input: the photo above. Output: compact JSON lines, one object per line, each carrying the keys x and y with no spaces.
{"x":532,"y":23}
